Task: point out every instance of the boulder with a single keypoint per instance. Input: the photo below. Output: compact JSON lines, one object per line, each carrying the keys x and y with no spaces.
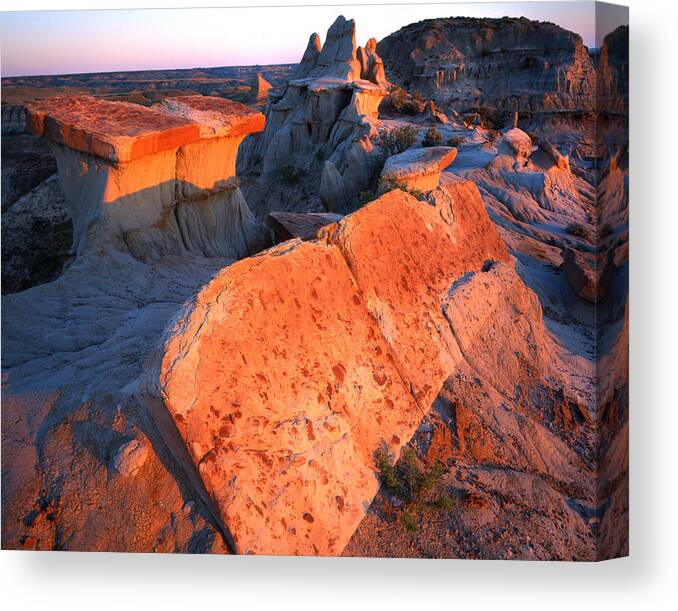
{"x":283,"y":438}
{"x":417,"y":169}
{"x":431,"y":113}
{"x":519,"y":142}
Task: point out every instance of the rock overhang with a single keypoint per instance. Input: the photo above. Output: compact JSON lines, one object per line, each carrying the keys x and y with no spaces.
{"x":120,"y":132}
{"x":418,"y":168}
{"x":130,"y":173}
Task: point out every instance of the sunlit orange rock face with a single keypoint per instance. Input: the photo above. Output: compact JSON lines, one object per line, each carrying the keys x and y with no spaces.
{"x":290,"y":369}
{"x":116,"y":131}
{"x":418,"y":169}
{"x":155,"y":181}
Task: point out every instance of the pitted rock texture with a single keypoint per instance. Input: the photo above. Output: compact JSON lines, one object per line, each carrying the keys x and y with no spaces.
{"x":512,"y":473}
{"x":284,"y":438}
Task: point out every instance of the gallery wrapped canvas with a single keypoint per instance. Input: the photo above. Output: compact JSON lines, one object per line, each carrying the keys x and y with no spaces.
{"x":363,"y":294}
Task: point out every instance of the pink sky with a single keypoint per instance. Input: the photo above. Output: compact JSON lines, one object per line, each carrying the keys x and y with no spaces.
{"x":62,"y":42}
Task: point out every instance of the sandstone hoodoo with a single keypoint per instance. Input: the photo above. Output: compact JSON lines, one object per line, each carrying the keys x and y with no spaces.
{"x":417,"y":169}
{"x":319,"y":128}
{"x":260,"y":88}
{"x":157,"y":181}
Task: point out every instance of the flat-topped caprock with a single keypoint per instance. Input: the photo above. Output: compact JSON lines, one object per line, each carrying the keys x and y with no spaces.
{"x":121,"y":131}
{"x":114,"y":131}
{"x":418,"y":168}
{"x":217,"y":117}
{"x":152,"y":181}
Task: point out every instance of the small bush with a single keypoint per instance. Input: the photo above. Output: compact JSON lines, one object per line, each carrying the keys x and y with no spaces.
{"x":388,"y":184}
{"x":444,"y":502}
{"x":415,"y":485}
{"x":433,"y":137}
{"x":410,"y":107}
{"x":577,"y":229}
{"x":455,"y":141}
{"x":365,"y":197}
{"x":398,"y":139}
{"x":409,"y":521}
{"x":288,"y":175}
{"x":404,"y":103}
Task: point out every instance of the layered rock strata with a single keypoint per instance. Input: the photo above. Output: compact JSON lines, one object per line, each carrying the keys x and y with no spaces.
{"x":154,"y":181}
{"x":508,"y":64}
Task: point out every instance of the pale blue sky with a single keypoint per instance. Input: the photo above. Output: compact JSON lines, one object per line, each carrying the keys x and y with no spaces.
{"x":62,"y":42}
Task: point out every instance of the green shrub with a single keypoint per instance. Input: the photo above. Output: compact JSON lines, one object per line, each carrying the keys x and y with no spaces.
{"x":409,"y":521}
{"x":455,"y":141}
{"x":404,"y":103}
{"x":444,"y":502}
{"x":415,"y":485}
{"x":388,"y":184}
{"x":397,"y":139}
{"x":432,"y":137}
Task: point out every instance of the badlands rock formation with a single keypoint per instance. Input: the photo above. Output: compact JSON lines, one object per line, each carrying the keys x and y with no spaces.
{"x":13,"y":119}
{"x":155,"y":182}
{"x":508,"y":63}
{"x":418,"y":169}
{"x":283,"y":439}
{"x":318,"y":130}
{"x":613,"y":72}
{"x":71,"y":347}
{"x":178,"y":387}
{"x":261,"y":88}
